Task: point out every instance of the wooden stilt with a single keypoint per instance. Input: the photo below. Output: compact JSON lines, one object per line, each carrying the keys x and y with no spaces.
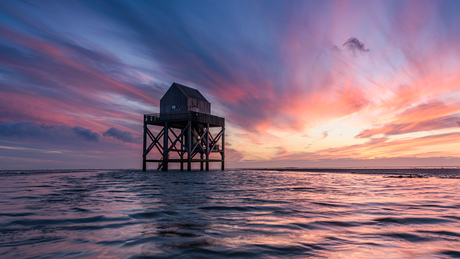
{"x":144,"y":144}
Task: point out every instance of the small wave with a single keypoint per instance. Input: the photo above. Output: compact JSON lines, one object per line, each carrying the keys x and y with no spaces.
{"x":274,"y":250}
{"x":441,"y":233}
{"x":25,"y":197}
{"x":96,"y":219}
{"x":286,"y":212}
{"x":80,"y":209}
{"x":415,"y":221}
{"x":338,"y":223}
{"x":330,"y":204}
{"x":276,"y":226}
{"x":32,"y":241}
{"x":153,"y":214}
{"x":100,"y":226}
{"x":408,"y":237}
{"x":136,"y":241}
{"x":252,"y":200}
{"x":309,"y":226}
{"x":239,"y":208}
{"x":47,"y":222}
{"x":69,"y":254}
{"x":24,"y":214}
{"x":302,"y":188}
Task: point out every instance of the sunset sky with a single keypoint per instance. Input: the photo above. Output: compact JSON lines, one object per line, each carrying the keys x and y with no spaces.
{"x":300,"y":83}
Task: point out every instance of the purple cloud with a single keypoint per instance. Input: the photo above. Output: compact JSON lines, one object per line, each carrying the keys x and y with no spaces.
{"x":124,"y":136}
{"x":55,"y":134}
{"x":87,"y":134}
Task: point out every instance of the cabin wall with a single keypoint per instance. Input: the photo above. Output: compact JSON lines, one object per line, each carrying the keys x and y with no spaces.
{"x":200,"y":106}
{"x":174,"y":101}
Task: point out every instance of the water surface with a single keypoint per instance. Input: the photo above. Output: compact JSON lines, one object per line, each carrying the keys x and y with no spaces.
{"x":240,"y":213}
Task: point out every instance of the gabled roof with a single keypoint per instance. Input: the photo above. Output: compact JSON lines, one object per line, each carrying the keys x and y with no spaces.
{"x":190,"y":92}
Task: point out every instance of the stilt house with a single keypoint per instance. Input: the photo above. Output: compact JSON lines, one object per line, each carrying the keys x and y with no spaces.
{"x":185,"y":137}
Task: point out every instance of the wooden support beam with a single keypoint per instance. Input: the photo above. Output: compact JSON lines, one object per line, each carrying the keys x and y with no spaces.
{"x":207,"y":147}
{"x":144,"y":145}
{"x":223,"y":149}
{"x":165,"y":147}
{"x":182,"y":153}
{"x":189,"y":146}
{"x":201,"y":163}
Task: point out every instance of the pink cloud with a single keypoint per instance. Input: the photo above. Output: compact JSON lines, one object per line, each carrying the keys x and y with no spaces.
{"x":384,"y":148}
{"x":424,"y":117}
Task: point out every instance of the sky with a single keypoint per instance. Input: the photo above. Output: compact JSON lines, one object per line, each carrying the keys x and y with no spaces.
{"x":300,"y":83}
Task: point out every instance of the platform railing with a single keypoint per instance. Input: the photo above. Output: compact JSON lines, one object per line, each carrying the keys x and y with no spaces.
{"x":184,"y":116}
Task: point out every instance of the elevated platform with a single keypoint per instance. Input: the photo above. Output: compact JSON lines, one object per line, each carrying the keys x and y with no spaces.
{"x":180,"y":120}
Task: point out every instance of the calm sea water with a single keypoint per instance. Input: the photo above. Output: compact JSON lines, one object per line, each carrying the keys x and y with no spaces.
{"x":240,"y":214}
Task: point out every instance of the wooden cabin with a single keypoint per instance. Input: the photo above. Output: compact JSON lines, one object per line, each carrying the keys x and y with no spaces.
{"x":183,"y":99}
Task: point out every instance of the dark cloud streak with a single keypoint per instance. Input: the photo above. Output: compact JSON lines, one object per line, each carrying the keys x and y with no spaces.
{"x":354,"y":45}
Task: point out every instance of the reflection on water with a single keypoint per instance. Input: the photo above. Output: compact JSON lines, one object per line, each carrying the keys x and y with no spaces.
{"x":243,"y":214}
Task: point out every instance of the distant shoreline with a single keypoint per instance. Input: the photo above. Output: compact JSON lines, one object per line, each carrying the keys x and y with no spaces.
{"x":380,"y":170}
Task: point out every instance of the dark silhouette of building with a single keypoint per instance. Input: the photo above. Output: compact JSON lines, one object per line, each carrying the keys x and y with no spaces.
{"x":186,"y":131}
{"x":180,"y":99}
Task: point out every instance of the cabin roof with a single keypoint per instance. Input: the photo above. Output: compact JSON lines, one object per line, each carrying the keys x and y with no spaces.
{"x":190,"y":92}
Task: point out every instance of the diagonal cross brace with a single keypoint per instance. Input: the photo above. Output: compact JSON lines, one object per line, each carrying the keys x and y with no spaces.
{"x":155,"y":141}
{"x":199,"y":142}
{"x":178,"y":137}
{"x":215,"y":140}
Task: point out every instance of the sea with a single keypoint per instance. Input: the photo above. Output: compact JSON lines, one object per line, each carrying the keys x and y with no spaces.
{"x":269,"y":213}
